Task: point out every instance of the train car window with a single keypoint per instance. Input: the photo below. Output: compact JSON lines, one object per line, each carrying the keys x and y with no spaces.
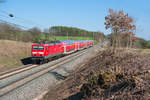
{"x":46,"y":48}
{"x":41,"y":48}
{"x":35,"y":47}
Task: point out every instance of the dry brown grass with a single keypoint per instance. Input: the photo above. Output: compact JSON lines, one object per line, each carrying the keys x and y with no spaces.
{"x":11,"y":53}
{"x":145,"y":51}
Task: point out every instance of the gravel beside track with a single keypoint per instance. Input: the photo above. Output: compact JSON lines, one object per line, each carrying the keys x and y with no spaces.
{"x":37,"y":86}
{"x":19,"y":76}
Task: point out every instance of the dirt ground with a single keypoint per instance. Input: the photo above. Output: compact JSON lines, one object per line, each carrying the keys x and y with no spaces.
{"x":120,"y":75}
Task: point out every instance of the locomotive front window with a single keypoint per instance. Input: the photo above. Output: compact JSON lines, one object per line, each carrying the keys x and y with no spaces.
{"x":38,"y":48}
{"x":41,"y":48}
{"x":35,"y":47}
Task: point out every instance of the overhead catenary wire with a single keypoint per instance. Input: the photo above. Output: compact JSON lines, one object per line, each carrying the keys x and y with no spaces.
{"x":14,"y":24}
{"x":11,"y":23}
{"x":4,"y":12}
{"x":19,"y":18}
{"x":4,"y":16}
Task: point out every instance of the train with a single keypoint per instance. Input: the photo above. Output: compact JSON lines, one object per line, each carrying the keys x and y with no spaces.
{"x":44,"y":52}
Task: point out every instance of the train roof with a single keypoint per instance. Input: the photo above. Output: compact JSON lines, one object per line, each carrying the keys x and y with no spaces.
{"x":73,"y":41}
{"x":61,"y":41}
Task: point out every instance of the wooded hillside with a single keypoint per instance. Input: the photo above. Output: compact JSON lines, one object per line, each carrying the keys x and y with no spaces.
{"x":11,"y":32}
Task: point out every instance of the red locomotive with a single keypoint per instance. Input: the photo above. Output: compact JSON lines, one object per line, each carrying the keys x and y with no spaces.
{"x":44,"y":52}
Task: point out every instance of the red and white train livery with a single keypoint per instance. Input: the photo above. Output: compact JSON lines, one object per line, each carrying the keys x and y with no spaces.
{"x":45,"y":51}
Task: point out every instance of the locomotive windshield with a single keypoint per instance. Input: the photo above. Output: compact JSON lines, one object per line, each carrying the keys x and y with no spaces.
{"x":35,"y":47}
{"x":38,"y":48}
{"x":41,"y":48}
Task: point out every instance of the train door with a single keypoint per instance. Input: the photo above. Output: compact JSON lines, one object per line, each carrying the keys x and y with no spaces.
{"x":59,"y":48}
{"x":49,"y":50}
{"x":46,"y":51}
{"x":55,"y":49}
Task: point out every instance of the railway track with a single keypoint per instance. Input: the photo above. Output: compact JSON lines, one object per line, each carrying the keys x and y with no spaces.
{"x":42,"y":69}
{"x":16,"y":71}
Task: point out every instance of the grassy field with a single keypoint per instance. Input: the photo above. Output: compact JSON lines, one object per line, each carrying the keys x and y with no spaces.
{"x":72,"y":38}
{"x":11,"y":53}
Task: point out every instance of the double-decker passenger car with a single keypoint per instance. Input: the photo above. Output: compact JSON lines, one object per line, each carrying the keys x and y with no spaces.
{"x":43,"y":52}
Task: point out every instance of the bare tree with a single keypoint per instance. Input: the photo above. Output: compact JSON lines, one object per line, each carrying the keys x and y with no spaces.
{"x":35,"y":31}
{"x":119,"y":23}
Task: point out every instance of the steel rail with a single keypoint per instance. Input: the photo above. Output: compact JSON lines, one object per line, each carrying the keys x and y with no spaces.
{"x":62,"y":59}
{"x":10,"y":87}
{"x":16,"y":71}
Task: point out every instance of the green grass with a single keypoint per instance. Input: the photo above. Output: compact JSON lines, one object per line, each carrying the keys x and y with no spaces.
{"x":52,"y":37}
{"x":72,"y":38}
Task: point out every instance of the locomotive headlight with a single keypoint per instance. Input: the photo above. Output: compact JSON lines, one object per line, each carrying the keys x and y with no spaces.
{"x":41,"y":52}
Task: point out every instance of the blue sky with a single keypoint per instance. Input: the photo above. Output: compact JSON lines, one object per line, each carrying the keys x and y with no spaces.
{"x":84,"y":14}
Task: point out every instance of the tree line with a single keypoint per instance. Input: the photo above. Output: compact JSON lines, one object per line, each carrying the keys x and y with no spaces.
{"x":12,"y":32}
{"x":70,"y":31}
